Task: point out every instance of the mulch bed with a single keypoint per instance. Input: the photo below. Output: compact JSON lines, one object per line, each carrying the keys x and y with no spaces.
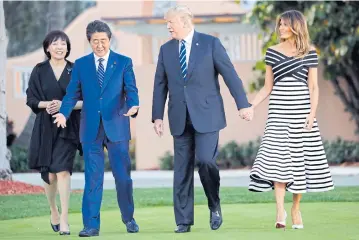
{"x":15,"y":187}
{"x":20,"y":188}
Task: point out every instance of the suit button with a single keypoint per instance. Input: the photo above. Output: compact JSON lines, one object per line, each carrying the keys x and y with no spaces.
{"x":98,"y":111}
{"x":185,"y":86}
{"x":101,"y":98}
{"x":184,"y":101}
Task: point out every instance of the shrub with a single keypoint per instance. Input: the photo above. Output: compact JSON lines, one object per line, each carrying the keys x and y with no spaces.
{"x":340,"y":151}
{"x":232,"y":155}
{"x":19,"y":161}
{"x":167,"y":161}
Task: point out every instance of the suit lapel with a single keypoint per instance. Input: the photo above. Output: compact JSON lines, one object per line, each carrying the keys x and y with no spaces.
{"x":110,"y":68}
{"x":195,"y":49}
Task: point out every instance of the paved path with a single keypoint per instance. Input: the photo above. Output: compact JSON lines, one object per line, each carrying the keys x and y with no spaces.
{"x":342,"y":176}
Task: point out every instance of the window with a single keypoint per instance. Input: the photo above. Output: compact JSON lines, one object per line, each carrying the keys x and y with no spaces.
{"x":21,"y":80}
{"x":232,"y":45}
{"x":242,"y":46}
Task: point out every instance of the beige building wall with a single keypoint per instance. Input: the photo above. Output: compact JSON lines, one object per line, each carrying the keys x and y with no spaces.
{"x":143,"y":50}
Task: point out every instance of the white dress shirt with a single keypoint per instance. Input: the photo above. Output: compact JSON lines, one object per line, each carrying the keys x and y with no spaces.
{"x":188,"y":45}
{"x":104,"y":62}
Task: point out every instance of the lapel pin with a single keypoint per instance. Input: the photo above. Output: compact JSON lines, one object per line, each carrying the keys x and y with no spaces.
{"x":69,"y":70}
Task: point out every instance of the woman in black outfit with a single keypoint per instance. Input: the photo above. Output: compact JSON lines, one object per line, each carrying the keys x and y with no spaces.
{"x":52,"y":150}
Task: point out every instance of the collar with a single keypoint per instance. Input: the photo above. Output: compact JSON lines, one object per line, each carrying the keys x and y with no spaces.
{"x":189,"y":37}
{"x":104,"y":57}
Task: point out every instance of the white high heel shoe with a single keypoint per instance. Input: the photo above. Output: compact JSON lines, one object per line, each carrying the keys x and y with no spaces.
{"x":283,"y":223}
{"x":298,"y":226}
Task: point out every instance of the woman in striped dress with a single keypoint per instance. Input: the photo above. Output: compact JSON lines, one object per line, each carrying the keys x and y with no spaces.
{"x":291,"y":155}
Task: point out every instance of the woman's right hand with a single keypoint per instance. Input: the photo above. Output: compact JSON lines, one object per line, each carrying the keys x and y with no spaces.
{"x":247,"y":113}
{"x":53,"y":107}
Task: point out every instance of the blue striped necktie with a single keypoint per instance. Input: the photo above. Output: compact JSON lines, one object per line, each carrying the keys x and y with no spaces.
{"x":182,"y":58}
{"x":100,"y":72}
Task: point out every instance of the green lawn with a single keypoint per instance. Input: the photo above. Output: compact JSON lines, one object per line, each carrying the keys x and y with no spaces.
{"x":36,"y":205}
{"x":330,"y":215}
{"x":329,"y":221}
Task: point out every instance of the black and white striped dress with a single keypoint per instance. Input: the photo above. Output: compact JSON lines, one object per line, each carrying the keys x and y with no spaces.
{"x":289,"y":153}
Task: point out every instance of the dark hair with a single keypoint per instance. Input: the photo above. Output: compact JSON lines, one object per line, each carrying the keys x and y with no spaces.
{"x":54,"y":36}
{"x":97,"y":26}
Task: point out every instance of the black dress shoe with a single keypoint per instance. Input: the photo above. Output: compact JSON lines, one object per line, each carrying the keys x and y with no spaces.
{"x":89,"y":232}
{"x":216,"y":218}
{"x":182,"y":228}
{"x":132,"y":226}
{"x":55,"y":227}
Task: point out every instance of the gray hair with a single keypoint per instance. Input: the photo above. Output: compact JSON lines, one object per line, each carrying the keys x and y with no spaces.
{"x":97,"y":26}
{"x":183,"y":11}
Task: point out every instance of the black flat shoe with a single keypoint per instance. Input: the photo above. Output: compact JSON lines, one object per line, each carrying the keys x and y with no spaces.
{"x":56,"y":227}
{"x":64,"y":233}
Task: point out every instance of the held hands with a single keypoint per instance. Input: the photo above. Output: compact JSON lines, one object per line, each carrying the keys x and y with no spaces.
{"x":60,"y":120}
{"x":53,"y":107}
{"x":158,"y":126}
{"x":309,"y":122}
{"x":133,"y":110}
{"x":247,"y":113}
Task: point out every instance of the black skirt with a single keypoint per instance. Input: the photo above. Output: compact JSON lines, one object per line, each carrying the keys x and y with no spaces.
{"x":63,"y":155}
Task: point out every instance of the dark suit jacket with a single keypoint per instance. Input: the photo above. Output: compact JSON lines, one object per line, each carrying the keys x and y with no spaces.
{"x":200,"y":92}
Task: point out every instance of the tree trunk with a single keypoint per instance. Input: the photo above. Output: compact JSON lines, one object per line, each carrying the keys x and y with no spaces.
{"x":5,"y":171}
{"x":55,"y":21}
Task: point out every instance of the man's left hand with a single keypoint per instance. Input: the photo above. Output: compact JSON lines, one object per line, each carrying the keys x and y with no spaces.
{"x":132,"y":111}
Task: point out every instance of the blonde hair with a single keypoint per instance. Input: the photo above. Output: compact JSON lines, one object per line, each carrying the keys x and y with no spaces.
{"x":298,"y":26}
{"x":183,"y":11}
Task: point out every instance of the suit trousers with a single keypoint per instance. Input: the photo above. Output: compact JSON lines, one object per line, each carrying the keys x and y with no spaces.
{"x":188,"y":147}
{"x":118,"y":153}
